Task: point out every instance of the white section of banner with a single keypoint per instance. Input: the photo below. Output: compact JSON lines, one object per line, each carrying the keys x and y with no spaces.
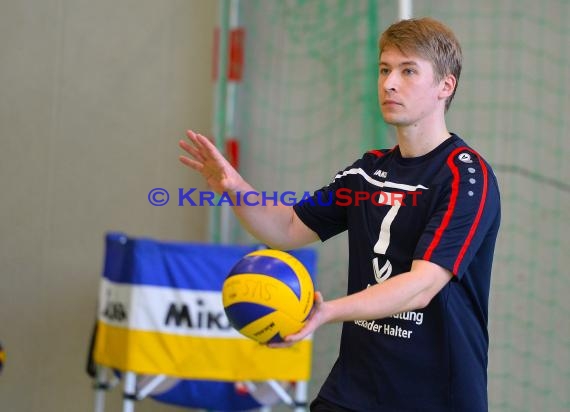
{"x":164,"y":310}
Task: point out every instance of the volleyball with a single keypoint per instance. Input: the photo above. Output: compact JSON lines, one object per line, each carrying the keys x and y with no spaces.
{"x":268,"y":295}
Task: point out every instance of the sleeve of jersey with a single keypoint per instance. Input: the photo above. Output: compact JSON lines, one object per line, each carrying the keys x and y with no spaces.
{"x":322,"y":212}
{"x":467,"y":212}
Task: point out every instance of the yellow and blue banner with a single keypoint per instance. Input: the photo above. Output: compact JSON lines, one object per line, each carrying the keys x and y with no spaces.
{"x":160,"y":312}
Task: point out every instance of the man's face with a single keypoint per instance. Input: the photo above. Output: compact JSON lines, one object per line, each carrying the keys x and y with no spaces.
{"x":407,"y":91}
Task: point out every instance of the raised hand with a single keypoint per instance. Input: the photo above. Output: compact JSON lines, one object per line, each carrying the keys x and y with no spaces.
{"x":206,"y":159}
{"x":276,"y":225}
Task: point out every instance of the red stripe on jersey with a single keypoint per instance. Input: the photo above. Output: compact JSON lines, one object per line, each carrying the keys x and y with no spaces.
{"x":477,"y":218}
{"x":380,"y":153}
{"x":450,"y":208}
{"x":377,"y":153}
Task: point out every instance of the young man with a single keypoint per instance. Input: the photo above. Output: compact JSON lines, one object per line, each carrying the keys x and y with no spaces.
{"x":421,"y":241}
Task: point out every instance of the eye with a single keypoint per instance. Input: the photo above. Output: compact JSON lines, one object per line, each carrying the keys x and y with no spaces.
{"x":409,"y":72}
{"x":384,"y":71}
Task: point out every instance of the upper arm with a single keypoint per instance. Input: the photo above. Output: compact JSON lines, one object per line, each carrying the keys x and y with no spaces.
{"x":299,"y":233}
{"x":467,"y":212}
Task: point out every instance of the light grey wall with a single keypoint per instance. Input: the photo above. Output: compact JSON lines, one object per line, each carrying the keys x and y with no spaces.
{"x":94,"y":97}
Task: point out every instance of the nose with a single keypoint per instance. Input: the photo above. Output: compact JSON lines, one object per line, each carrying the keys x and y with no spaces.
{"x":389,"y":82}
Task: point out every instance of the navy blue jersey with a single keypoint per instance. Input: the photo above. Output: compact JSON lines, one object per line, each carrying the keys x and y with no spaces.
{"x":442,"y":207}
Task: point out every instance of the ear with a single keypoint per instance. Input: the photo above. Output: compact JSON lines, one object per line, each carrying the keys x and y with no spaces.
{"x":447,"y":86}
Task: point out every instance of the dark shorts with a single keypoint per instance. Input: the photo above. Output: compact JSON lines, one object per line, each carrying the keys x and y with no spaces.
{"x":322,"y":405}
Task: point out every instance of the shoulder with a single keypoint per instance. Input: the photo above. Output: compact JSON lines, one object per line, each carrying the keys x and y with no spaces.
{"x":465,"y":161}
{"x":375,"y":157}
{"x":378,"y":153}
{"x":367,"y":163}
{"x":469,"y":176}
{"x":461,"y":161}
{"x":366,"y":166}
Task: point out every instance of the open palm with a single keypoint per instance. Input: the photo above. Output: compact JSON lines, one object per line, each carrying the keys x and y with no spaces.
{"x":206,"y":159}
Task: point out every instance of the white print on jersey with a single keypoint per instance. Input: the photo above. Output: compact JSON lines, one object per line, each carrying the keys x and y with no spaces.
{"x":381,"y":173}
{"x":465,"y":157}
{"x":381,"y":274}
{"x":386,"y":329}
{"x":393,"y":330}
{"x":384,"y":241}
{"x":359,"y":171}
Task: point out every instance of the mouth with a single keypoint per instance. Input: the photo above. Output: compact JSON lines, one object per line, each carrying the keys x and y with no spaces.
{"x":391,"y":103}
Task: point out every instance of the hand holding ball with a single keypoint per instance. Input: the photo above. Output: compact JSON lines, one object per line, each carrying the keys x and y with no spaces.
{"x":268,"y":295}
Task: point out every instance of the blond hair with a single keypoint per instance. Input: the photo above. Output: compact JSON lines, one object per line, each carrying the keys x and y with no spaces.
{"x":429,"y":39}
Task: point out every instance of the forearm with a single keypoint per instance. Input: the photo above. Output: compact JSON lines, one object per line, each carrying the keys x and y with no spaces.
{"x":270,"y":222}
{"x":408,"y":291}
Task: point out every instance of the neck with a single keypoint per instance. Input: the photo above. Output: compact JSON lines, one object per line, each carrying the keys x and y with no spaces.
{"x":415,"y":140}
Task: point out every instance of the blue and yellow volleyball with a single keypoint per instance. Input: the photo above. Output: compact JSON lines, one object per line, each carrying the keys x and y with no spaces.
{"x":268,"y":295}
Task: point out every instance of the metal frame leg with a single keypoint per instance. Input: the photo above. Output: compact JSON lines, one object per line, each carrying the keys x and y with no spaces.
{"x":130,"y":392}
{"x":301,"y":391}
{"x":100,"y":388}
